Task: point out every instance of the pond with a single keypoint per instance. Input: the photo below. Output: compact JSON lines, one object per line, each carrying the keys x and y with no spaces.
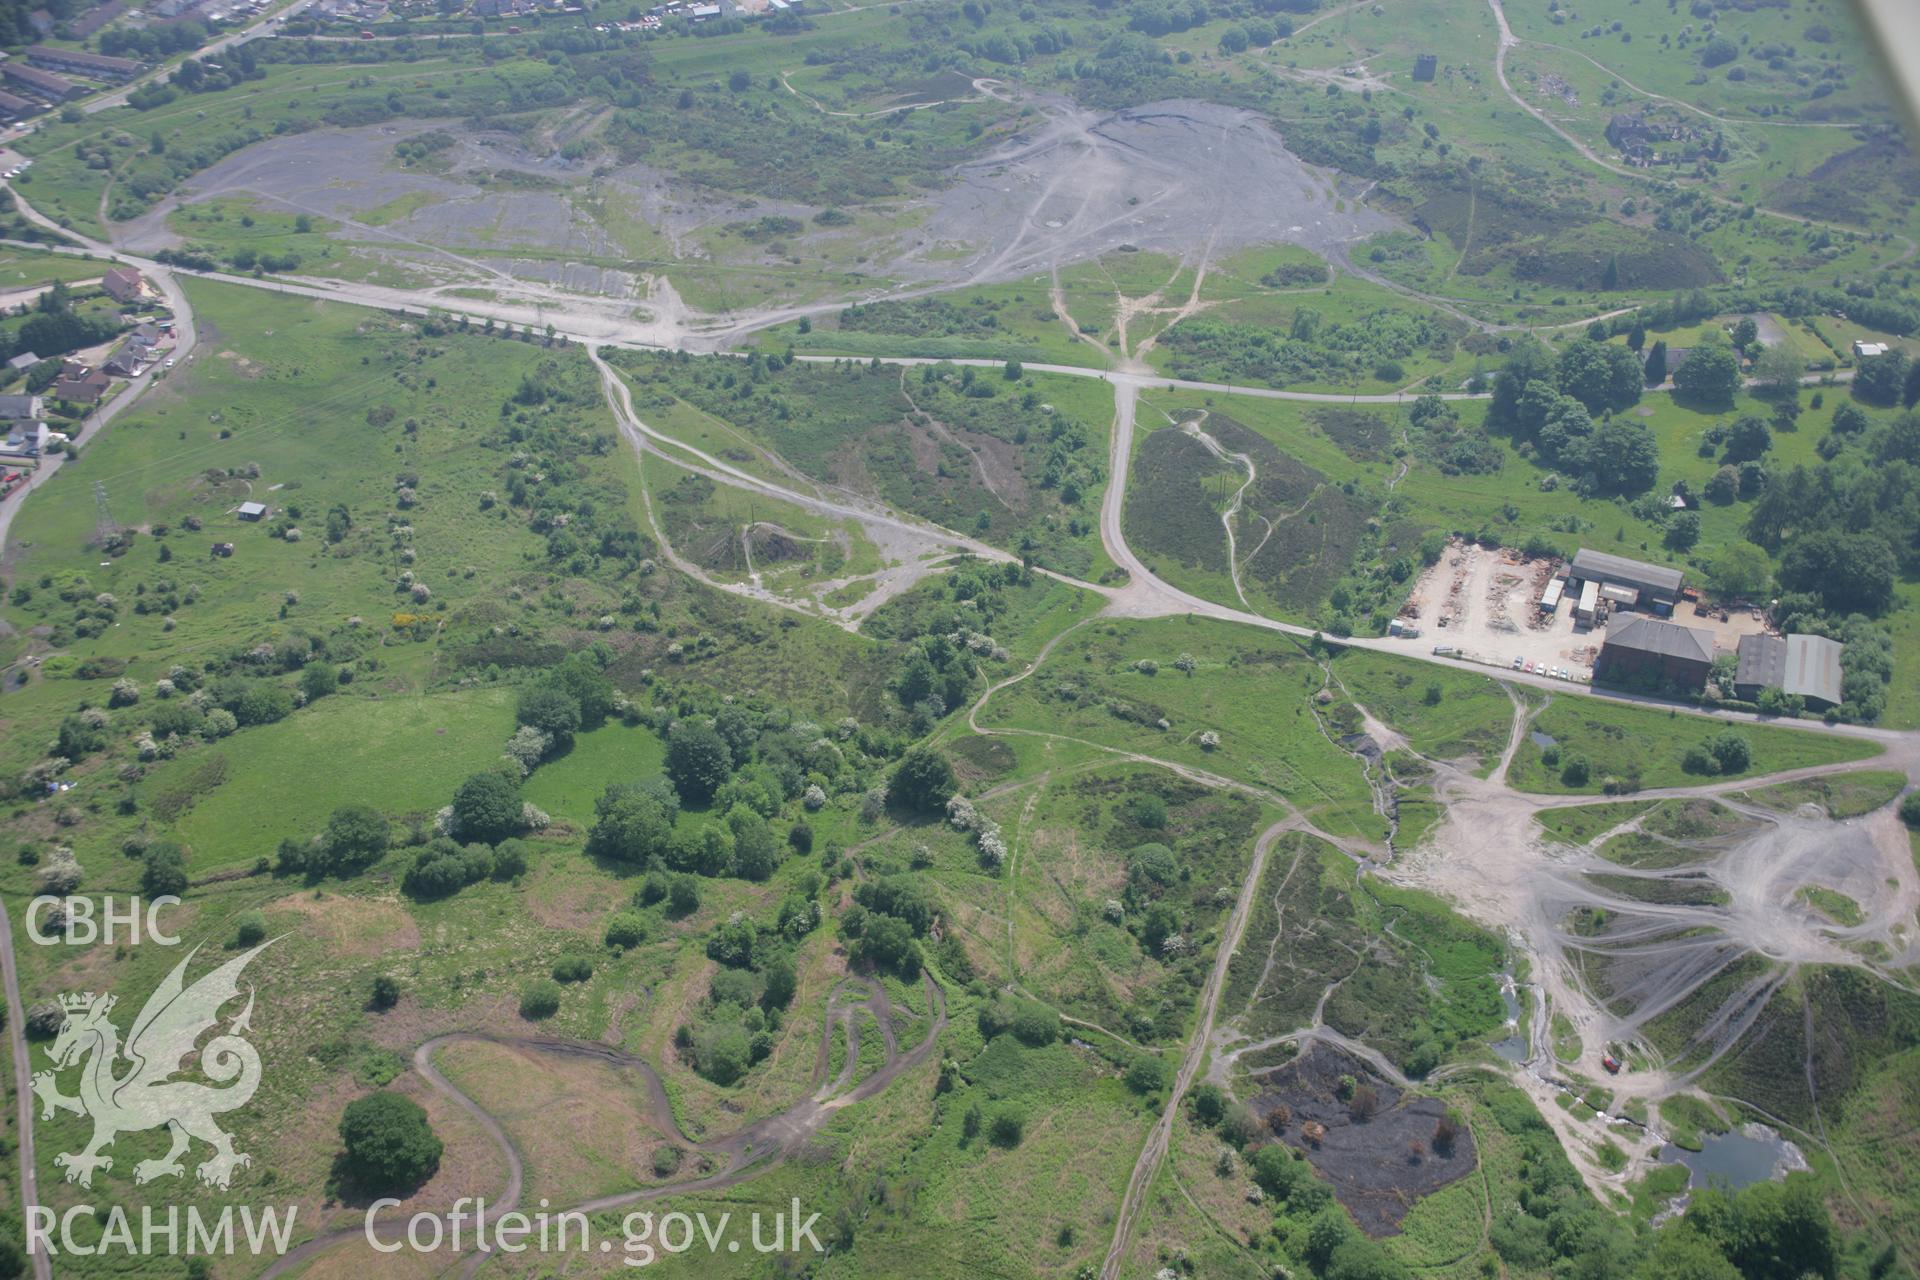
{"x":1752,"y":1154}
{"x":1542,"y":740}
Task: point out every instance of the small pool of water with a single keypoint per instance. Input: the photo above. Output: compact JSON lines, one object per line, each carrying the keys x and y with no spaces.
{"x":1514,"y":1047}
{"x":1542,"y":740}
{"x":1736,"y":1160}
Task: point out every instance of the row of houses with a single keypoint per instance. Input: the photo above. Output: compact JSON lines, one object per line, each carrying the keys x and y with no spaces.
{"x":39,"y":83}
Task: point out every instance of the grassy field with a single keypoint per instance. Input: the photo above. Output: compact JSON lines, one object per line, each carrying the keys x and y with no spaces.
{"x":1620,"y":741}
{"x":1093,"y":687}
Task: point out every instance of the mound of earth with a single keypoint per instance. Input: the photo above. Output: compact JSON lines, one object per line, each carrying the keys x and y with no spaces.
{"x":1378,"y":1165}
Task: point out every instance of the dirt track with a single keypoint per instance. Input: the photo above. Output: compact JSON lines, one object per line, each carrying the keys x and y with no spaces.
{"x":745,"y":1154}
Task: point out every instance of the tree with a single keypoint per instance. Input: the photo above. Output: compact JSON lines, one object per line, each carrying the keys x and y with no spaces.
{"x":357,"y":835}
{"x":390,"y":1147}
{"x":1718,"y":52}
{"x":1636,"y":336}
{"x":1146,"y":1075}
{"x":1745,"y":333}
{"x":1748,"y":438}
{"x":1528,"y":362}
{"x":1710,"y":375}
{"x":1600,"y":375}
{"x":1849,"y":419}
{"x":163,"y":871}
{"x":1881,"y":379}
{"x":1656,"y":367}
{"x":385,"y":993}
{"x":1610,"y":278}
{"x":1730,"y":751}
{"x":922,"y":782}
{"x":1777,"y":371}
{"x":888,"y":943}
{"x":630,"y":825}
{"x":487,"y":807}
{"x":1623,"y":456}
{"x":756,"y":853}
{"x":1683,"y":533}
{"x":581,"y":677}
{"x":1910,"y":809}
{"x":553,"y":712}
{"x":1739,"y":571}
{"x":318,"y":679}
{"x":698,"y":761}
{"x":1849,"y":572}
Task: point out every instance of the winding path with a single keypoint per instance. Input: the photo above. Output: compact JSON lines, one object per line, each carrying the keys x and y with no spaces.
{"x":745,"y":1154}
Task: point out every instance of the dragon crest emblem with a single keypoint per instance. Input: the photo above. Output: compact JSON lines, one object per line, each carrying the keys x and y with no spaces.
{"x":144,"y":1095}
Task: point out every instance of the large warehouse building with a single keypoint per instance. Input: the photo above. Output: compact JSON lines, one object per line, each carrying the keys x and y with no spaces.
{"x":1808,"y":666}
{"x":1627,"y":584}
{"x":1639,"y":645}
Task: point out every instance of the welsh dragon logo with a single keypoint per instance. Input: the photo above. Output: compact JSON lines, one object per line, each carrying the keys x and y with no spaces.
{"x":145,"y":1096}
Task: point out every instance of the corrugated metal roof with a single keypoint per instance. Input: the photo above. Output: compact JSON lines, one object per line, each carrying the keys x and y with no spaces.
{"x":1610,"y":568}
{"x":1763,"y":662}
{"x":1813,"y":667}
{"x":1668,"y":639}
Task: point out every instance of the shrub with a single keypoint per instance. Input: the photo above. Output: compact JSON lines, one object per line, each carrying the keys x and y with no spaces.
{"x":390,"y":1147}
{"x":165,"y":870}
{"x":572,"y":969}
{"x":1009,"y":1125}
{"x":626,"y":930}
{"x":1910,"y":809}
{"x":250,"y":930}
{"x":540,"y":999}
{"x":386,"y":992}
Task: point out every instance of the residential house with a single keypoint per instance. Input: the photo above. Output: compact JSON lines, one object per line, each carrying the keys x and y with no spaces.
{"x":1642,"y":646}
{"x":29,"y":439}
{"x":21,"y":408}
{"x":123,"y":284}
{"x":78,"y":62}
{"x":41,"y":84}
{"x":127,"y":358}
{"x":80,"y":384}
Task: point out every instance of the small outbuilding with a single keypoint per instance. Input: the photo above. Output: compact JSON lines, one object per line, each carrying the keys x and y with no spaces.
{"x":252,"y":511}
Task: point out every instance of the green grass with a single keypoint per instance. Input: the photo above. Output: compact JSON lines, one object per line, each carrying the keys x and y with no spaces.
{"x":567,"y":785}
{"x":1842,"y":795}
{"x":1090,"y":688}
{"x":403,"y":756}
{"x":1581,"y":823}
{"x":1620,"y":740}
{"x":1832,"y":904}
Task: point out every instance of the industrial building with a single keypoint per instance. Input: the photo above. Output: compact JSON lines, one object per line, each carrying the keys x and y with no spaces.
{"x":1641,"y":646}
{"x":1624,"y":583}
{"x":1806,"y":666}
